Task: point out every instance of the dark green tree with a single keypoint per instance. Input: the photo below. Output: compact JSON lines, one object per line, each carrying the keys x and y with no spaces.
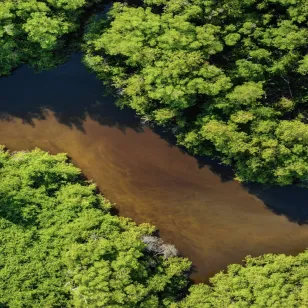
{"x":38,"y":32}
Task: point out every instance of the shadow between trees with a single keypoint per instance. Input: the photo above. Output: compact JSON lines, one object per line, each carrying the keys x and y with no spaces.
{"x":72,"y":93}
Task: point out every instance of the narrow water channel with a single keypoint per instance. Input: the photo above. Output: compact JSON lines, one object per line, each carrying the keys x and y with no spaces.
{"x":212,"y":220}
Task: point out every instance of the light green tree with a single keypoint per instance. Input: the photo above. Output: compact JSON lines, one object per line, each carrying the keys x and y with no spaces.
{"x":61,"y":247}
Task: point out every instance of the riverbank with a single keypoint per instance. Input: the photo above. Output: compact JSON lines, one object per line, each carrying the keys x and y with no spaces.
{"x":212,"y":220}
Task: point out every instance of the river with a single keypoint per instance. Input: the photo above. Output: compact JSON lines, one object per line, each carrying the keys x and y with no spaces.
{"x":210,"y":218}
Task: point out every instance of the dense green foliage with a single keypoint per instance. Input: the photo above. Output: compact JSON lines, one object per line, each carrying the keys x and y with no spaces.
{"x":229,"y":76}
{"x":275,"y":281}
{"x":61,"y":247}
{"x":36,"y":31}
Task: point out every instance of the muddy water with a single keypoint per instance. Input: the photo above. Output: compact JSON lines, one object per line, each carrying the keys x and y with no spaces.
{"x":212,"y":221}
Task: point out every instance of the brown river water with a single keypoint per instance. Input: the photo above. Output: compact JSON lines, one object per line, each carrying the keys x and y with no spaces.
{"x":210,"y":218}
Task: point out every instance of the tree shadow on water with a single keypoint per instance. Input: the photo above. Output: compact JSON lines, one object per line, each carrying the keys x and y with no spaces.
{"x":70,"y":91}
{"x":290,"y":201}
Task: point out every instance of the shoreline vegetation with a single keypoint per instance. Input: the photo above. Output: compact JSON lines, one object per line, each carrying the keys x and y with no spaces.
{"x":62,"y":247}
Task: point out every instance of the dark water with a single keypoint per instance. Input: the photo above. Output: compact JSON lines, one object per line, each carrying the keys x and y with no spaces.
{"x":211,"y":219}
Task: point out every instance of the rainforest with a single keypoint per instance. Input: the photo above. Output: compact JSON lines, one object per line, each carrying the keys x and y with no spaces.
{"x":189,"y":115}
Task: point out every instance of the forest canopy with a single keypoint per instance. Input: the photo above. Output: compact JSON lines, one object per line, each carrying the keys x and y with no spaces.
{"x":276,"y":281}
{"x":229,"y":77}
{"x":38,"y":32}
{"x":61,"y":247}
